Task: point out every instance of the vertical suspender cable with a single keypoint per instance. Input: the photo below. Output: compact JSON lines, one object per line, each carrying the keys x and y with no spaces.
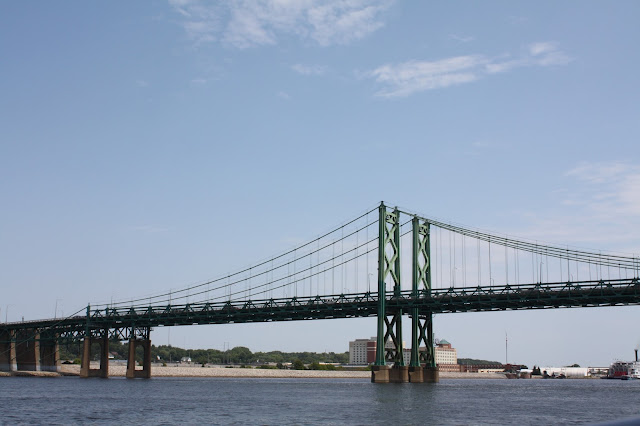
{"x":455,"y":274}
{"x":534,"y":265}
{"x":367,"y":236}
{"x":479,"y":265}
{"x":568,"y":269}
{"x":450,"y":258}
{"x":310,"y":274}
{"x":333,"y":268}
{"x":342,"y":260}
{"x":517,"y":264}
{"x":464,"y":261}
{"x":490,"y":277}
{"x":440,"y":254}
{"x":506,"y":264}
{"x":546,"y":258}
{"x":357,"y":259}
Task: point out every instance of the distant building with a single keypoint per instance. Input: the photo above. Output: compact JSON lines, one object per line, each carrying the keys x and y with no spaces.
{"x":445,"y":354}
{"x":567,"y":371}
{"x":185,"y":359}
{"x":363,"y":352}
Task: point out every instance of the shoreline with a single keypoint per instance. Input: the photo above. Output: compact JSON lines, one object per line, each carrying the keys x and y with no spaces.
{"x":217,"y":372}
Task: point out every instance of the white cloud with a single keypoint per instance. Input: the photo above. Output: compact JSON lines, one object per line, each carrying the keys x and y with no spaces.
{"x":610,"y":188}
{"x":249,"y":23}
{"x":410,"y":77}
{"x":284,"y":95}
{"x":201,"y":22}
{"x":309,"y":69}
{"x":597,"y":207}
{"x":415,"y":76}
{"x":462,"y":39}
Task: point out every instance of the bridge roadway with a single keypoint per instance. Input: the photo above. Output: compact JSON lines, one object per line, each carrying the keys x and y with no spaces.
{"x":121,"y":322}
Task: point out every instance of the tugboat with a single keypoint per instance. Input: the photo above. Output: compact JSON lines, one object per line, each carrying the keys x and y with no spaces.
{"x":625,"y":370}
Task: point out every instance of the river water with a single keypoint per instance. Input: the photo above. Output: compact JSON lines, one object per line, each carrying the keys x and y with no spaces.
{"x":71,"y":400}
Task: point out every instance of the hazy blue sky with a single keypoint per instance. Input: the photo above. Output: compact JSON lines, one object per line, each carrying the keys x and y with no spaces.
{"x":151,"y":145}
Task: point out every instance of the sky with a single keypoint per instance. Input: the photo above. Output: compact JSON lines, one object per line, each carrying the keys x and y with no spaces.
{"x":146,"y":146}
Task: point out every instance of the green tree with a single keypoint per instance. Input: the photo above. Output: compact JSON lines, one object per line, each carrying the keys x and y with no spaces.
{"x":298,"y":365}
{"x":241,"y":355}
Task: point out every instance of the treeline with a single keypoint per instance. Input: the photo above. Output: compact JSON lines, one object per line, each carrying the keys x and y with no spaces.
{"x":237,"y":355}
{"x":471,"y":361}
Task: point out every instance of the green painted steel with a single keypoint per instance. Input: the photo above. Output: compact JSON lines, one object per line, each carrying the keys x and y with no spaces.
{"x":421,"y":320}
{"x":389,"y":321}
{"x":397,"y":352}
{"x":382,"y":231}
{"x":118,"y":322}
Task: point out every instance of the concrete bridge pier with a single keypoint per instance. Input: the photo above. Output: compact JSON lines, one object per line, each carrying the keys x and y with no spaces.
{"x":380,"y":373}
{"x":85,"y":368}
{"x":386,"y":374}
{"x":27,"y":350}
{"x":145,"y":372}
{"x":431,"y":375}
{"x":8,"y":359}
{"x":416,"y":375}
{"x":49,"y":356}
{"x":399,"y":374}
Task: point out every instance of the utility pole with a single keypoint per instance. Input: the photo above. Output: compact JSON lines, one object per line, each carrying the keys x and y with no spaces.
{"x":506,"y":348}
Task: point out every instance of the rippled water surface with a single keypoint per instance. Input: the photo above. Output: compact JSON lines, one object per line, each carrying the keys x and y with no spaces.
{"x":71,"y":400}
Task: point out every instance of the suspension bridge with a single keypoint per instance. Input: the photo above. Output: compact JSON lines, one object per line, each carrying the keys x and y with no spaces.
{"x":386,"y":263}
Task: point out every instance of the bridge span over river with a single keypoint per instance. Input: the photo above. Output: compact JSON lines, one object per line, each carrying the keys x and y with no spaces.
{"x":423,"y":267}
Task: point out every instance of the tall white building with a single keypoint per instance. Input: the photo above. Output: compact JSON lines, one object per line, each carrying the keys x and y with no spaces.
{"x":445,"y":354}
{"x":362,"y":351}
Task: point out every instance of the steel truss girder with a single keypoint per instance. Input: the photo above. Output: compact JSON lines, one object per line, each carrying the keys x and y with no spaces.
{"x":118,"y":321}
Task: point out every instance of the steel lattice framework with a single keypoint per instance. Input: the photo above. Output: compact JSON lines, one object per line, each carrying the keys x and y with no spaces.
{"x":122,"y":322}
{"x":389,"y":303}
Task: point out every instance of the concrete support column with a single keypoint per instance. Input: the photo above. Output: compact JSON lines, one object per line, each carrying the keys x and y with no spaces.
{"x":85,"y":358}
{"x":431,"y":374}
{"x":145,"y":372}
{"x":49,"y":356}
{"x":85,"y":369}
{"x":379,"y":374}
{"x":416,"y":375}
{"x":28,"y":350}
{"x":8,"y":361}
{"x":399,"y":374}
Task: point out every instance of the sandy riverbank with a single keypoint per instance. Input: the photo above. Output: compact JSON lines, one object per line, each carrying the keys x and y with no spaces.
{"x":172,"y":371}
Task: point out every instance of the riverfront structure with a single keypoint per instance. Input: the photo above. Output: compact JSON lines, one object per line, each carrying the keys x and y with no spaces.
{"x":330,"y":277}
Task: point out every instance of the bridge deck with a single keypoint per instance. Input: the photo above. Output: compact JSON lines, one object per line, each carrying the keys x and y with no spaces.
{"x":461,"y":299}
